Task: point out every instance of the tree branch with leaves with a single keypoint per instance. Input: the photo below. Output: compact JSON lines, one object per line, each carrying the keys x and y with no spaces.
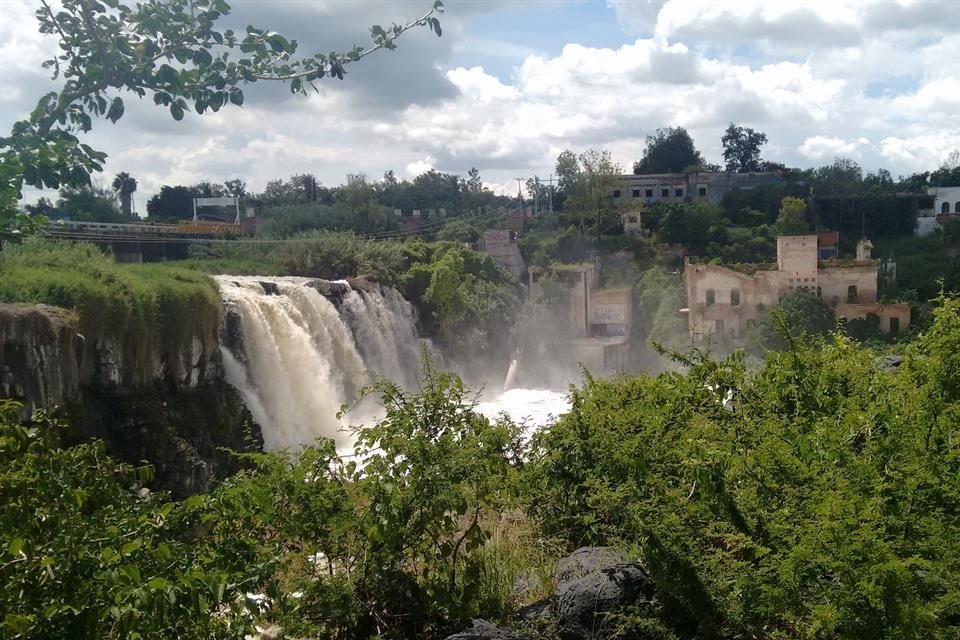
{"x":170,"y":49}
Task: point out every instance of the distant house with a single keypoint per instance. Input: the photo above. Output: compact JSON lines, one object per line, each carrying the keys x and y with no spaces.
{"x":945,"y":205}
{"x":727,"y":300}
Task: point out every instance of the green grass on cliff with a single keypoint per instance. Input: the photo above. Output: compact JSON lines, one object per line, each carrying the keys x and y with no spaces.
{"x":144,"y":304}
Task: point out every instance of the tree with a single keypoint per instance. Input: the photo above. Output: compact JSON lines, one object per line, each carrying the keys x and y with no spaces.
{"x":799,"y":313}
{"x":792,"y":220}
{"x":171,"y":50}
{"x":588,"y":181}
{"x":125,"y":185}
{"x":844,"y":177}
{"x":236,"y":188}
{"x":669,"y":150}
{"x":474,"y":183}
{"x":91,"y":204}
{"x":741,"y":149}
{"x":172,"y":202}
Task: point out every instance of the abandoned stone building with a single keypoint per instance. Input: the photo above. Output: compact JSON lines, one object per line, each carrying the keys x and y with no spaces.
{"x":684,"y":187}
{"x":724,"y":301}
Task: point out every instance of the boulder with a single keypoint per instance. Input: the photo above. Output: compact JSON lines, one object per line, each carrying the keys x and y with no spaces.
{"x":585,"y":560}
{"x":583,"y":604}
{"x":483,"y":630}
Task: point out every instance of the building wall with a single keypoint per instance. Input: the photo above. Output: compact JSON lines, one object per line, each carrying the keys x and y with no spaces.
{"x":949,"y":196}
{"x":696,"y":187}
{"x":726,"y":302}
{"x":503,"y":249}
{"x":835,"y":283}
{"x":900,"y":312}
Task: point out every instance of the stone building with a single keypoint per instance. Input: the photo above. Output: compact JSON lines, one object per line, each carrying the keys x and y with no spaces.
{"x":682,"y":187}
{"x":501,"y":244}
{"x":724,"y":301}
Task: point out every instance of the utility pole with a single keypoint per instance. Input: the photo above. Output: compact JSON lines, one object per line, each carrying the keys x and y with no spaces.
{"x":520,"y":191}
{"x":549,"y":181}
{"x":536,"y":196}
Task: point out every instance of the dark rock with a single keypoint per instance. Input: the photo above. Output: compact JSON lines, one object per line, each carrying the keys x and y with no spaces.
{"x":270,"y":288}
{"x":539,"y":610}
{"x":483,"y":630}
{"x":584,"y":604}
{"x":585,"y":560}
{"x":182,"y":432}
{"x":333,"y":291}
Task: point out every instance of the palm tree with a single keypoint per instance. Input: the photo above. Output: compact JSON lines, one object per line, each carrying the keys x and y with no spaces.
{"x":125,"y":184}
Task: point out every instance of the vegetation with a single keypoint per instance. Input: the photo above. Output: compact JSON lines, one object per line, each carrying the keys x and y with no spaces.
{"x":807,"y":499}
{"x":145,"y":307}
{"x":741,"y":149}
{"x":669,"y":150}
{"x":330,"y":548}
{"x":811,"y":497}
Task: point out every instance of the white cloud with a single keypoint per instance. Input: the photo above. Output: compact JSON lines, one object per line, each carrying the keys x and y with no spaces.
{"x":820,"y":147}
{"x":417,"y":167}
{"x":820,"y":78}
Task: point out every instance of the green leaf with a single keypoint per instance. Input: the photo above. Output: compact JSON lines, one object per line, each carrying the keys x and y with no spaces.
{"x":131,"y":546}
{"x":158,"y":584}
{"x":176,"y":111}
{"x":236,"y":97}
{"x":15,"y":546}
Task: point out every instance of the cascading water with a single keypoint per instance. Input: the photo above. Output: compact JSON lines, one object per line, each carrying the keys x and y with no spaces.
{"x":299,"y":348}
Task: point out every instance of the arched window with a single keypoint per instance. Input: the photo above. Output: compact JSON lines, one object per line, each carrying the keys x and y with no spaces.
{"x":711,"y":297}
{"x":852,"y":293}
{"x":945,"y":207}
{"x":956,"y":206}
{"x":734,"y":297}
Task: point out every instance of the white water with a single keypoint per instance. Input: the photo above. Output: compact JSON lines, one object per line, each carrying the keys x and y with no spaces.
{"x":531,"y":408}
{"x":302,"y":358}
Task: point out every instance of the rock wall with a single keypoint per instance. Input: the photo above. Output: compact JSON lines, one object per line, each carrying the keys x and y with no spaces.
{"x":40,"y":356}
{"x":149,"y":399}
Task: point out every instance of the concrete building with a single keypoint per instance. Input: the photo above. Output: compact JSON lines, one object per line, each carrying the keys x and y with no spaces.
{"x":945,"y":205}
{"x":632,"y":222}
{"x":724,"y":301}
{"x":600,"y":319}
{"x":695,"y":187}
{"x":502,"y":246}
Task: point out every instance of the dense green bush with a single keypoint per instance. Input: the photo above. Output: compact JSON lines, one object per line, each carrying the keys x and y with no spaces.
{"x":389,"y":544}
{"x":812,"y":498}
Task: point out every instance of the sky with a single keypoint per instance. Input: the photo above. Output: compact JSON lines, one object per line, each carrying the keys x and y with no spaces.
{"x":512,"y":83}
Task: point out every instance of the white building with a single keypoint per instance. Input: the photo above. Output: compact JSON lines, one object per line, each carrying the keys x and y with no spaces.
{"x":946,"y":203}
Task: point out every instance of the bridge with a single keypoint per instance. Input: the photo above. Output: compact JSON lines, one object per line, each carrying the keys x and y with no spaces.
{"x":143,"y":241}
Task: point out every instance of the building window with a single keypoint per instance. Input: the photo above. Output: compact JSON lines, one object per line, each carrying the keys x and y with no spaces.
{"x":956,"y":207}
{"x":702,"y":191}
{"x":649,"y":193}
{"x":636,"y":193}
{"x":894,"y":326}
{"x":734,"y":297}
{"x":711,"y":297}
{"x":852,"y":293}
{"x":632,"y":219}
{"x":678,"y":193}
{"x":945,"y":207}
{"x":720,"y":326}
{"x":616,"y":193}
{"x":664,"y":193}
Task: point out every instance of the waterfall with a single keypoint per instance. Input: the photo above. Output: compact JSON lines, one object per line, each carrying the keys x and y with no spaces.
{"x":299,"y":348}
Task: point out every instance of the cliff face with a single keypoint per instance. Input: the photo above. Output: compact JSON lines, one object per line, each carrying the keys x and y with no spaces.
{"x":40,"y":352}
{"x":149,"y":398}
